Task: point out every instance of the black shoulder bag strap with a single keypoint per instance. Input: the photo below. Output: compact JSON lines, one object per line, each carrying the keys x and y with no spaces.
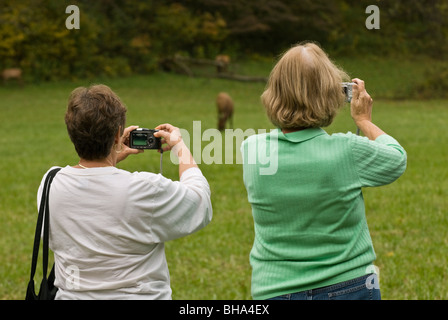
{"x":47,"y":290}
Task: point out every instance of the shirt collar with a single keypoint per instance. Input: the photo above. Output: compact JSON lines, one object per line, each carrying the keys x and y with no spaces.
{"x":301,"y":135}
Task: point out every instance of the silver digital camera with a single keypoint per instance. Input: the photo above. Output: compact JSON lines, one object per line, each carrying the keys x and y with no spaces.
{"x":347,"y":87}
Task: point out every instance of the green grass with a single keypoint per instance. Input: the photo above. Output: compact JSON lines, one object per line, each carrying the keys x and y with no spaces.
{"x":408,"y":219}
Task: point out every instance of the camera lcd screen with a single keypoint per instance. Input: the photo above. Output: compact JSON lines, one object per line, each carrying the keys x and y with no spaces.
{"x":139,"y":140}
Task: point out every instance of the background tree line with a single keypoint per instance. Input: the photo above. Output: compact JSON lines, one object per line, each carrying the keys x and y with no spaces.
{"x":118,"y":37}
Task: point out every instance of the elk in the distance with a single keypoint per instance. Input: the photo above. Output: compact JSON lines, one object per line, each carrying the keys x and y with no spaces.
{"x":12,"y":73}
{"x":222,"y":63}
{"x":225,"y":110}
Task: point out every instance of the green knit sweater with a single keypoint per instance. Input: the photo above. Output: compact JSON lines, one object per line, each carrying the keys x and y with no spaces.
{"x":308,"y":207}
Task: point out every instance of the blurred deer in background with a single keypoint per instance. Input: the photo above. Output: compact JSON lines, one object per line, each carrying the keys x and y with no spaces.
{"x":225,"y":110}
{"x":13,"y":73}
{"x":222,"y":63}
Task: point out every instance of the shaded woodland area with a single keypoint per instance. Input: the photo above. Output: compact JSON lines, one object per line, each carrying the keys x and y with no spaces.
{"x":118,"y":37}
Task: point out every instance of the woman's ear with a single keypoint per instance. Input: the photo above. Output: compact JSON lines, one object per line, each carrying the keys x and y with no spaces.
{"x":118,"y":135}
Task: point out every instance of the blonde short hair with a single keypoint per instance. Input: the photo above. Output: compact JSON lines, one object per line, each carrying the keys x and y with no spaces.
{"x":304,"y":89}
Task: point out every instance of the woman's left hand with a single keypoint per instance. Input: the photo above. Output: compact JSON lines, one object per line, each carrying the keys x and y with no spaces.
{"x":125,"y":150}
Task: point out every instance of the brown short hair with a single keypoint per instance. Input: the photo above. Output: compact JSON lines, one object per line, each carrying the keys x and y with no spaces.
{"x":94,"y":116}
{"x":304,"y":89}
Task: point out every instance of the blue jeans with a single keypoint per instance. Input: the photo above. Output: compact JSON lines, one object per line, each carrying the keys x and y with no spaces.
{"x":362,"y":288}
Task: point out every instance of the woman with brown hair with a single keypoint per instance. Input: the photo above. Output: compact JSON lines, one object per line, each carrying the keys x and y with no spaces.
{"x":108,"y":226}
{"x":311,"y":234}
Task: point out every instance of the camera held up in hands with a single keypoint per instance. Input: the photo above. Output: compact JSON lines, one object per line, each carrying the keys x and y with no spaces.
{"x":143,"y":138}
{"x":347,"y":87}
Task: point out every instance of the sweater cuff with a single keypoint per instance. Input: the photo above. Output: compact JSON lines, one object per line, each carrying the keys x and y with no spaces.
{"x":388,"y":140}
{"x":193,"y":171}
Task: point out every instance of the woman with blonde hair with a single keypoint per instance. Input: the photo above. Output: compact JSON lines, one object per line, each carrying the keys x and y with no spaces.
{"x":311,"y":235}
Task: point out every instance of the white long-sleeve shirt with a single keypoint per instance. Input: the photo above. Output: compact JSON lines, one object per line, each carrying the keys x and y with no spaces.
{"x":108,"y":227}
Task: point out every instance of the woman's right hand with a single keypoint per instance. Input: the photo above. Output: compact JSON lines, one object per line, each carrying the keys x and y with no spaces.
{"x":361,"y":110}
{"x":170,"y":135}
{"x":361,"y":104}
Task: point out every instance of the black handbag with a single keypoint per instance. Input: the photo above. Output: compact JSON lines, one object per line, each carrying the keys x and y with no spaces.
{"x":47,"y":289}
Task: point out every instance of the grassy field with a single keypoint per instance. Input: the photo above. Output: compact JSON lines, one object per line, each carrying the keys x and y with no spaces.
{"x":408,"y":219}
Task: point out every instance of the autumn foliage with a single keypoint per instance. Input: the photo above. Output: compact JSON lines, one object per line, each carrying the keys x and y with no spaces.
{"x":118,"y":37}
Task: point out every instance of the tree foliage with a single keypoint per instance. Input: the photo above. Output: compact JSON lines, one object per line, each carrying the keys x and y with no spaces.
{"x":118,"y":37}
